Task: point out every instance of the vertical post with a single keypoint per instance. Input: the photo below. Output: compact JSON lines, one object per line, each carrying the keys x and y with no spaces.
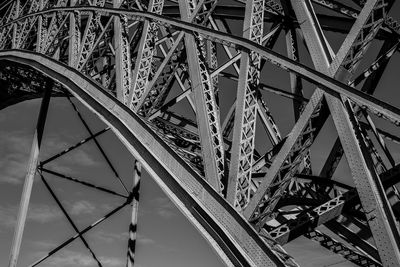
{"x":40,"y":28}
{"x":207,"y":115}
{"x":135,"y":207}
{"x":295,"y":81}
{"x":122,"y":58}
{"x":27,"y":190}
{"x":74,"y":40}
{"x":147,"y":50}
{"x":243,"y":141}
{"x":15,"y":25}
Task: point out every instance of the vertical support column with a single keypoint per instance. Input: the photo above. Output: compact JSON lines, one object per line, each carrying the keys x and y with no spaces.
{"x":147,"y":49}
{"x":15,"y":25}
{"x":42,"y":31}
{"x":91,"y":33}
{"x":27,"y":190}
{"x":293,"y":53}
{"x":40,"y":28}
{"x":134,"y":219}
{"x":318,"y":47}
{"x":122,"y":57}
{"x":295,"y":81}
{"x":296,"y":85}
{"x":238,"y":192}
{"x":74,"y":37}
{"x":206,"y":108}
{"x":27,"y":24}
{"x":213,"y":65}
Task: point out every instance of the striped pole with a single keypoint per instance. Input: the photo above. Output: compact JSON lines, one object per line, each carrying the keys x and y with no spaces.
{"x":135,"y":206}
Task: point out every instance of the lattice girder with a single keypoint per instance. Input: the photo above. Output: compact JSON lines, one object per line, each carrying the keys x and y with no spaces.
{"x":137,"y":63}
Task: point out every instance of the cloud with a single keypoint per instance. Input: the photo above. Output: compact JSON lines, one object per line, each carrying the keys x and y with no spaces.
{"x":7,"y":217}
{"x":44,"y":213}
{"x":15,"y":149}
{"x":81,"y":158}
{"x":38,"y":213}
{"x":82,"y":207}
{"x":110,"y":237}
{"x":13,"y":171}
{"x":13,"y":157}
{"x":164,"y":207}
{"x":111,"y":261}
{"x":141,"y":239}
{"x":69,"y":258}
{"x":43,"y":244}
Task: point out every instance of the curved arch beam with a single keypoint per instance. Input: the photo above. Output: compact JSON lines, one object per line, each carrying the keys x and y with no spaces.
{"x":325,"y":82}
{"x":229,"y":233}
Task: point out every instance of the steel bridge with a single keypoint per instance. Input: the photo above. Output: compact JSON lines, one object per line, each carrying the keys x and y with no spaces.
{"x":162,"y":75}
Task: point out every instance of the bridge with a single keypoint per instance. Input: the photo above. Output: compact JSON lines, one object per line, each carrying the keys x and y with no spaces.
{"x":226,"y":105}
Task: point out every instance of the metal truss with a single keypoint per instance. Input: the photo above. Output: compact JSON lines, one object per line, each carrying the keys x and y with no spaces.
{"x":186,"y":86}
{"x":238,"y":192}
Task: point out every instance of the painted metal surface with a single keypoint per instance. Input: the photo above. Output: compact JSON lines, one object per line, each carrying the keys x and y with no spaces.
{"x":126,"y":61}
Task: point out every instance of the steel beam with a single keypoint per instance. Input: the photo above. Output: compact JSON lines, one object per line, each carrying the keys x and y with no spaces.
{"x":347,"y":252}
{"x":144,"y":59}
{"x":72,"y":179}
{"x":31,"y":171}
{"x":90,"y":34}
{"x":262,"y":109}
{"x":312,"y":219}
{"x":244,"y":130}
{"x":373,"y":75}
{"x":295,"y":81}
{"x":70,"y":220}
{"x":122,"y":57}
{"x":372,"y":195}
{"x":340,"y":228}
{"x":17,"y":13}
{"x":184,"y":186}
{"x":373,"y":198}
{"x":80,"y":233}
{"x":75,"y":37}
{"x":286,"y":162}
{"x":101,"y":150}
{"x":207,"y":114}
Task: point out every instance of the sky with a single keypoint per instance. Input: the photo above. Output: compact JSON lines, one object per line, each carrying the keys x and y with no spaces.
{"x":165,"y":237}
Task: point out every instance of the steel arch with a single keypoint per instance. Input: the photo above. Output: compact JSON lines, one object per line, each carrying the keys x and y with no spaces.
{"x":196,"y":178}
{"x":230,"y":235}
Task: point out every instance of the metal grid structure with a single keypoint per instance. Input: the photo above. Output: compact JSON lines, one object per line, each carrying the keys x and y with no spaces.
{"x":160,"y":74}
